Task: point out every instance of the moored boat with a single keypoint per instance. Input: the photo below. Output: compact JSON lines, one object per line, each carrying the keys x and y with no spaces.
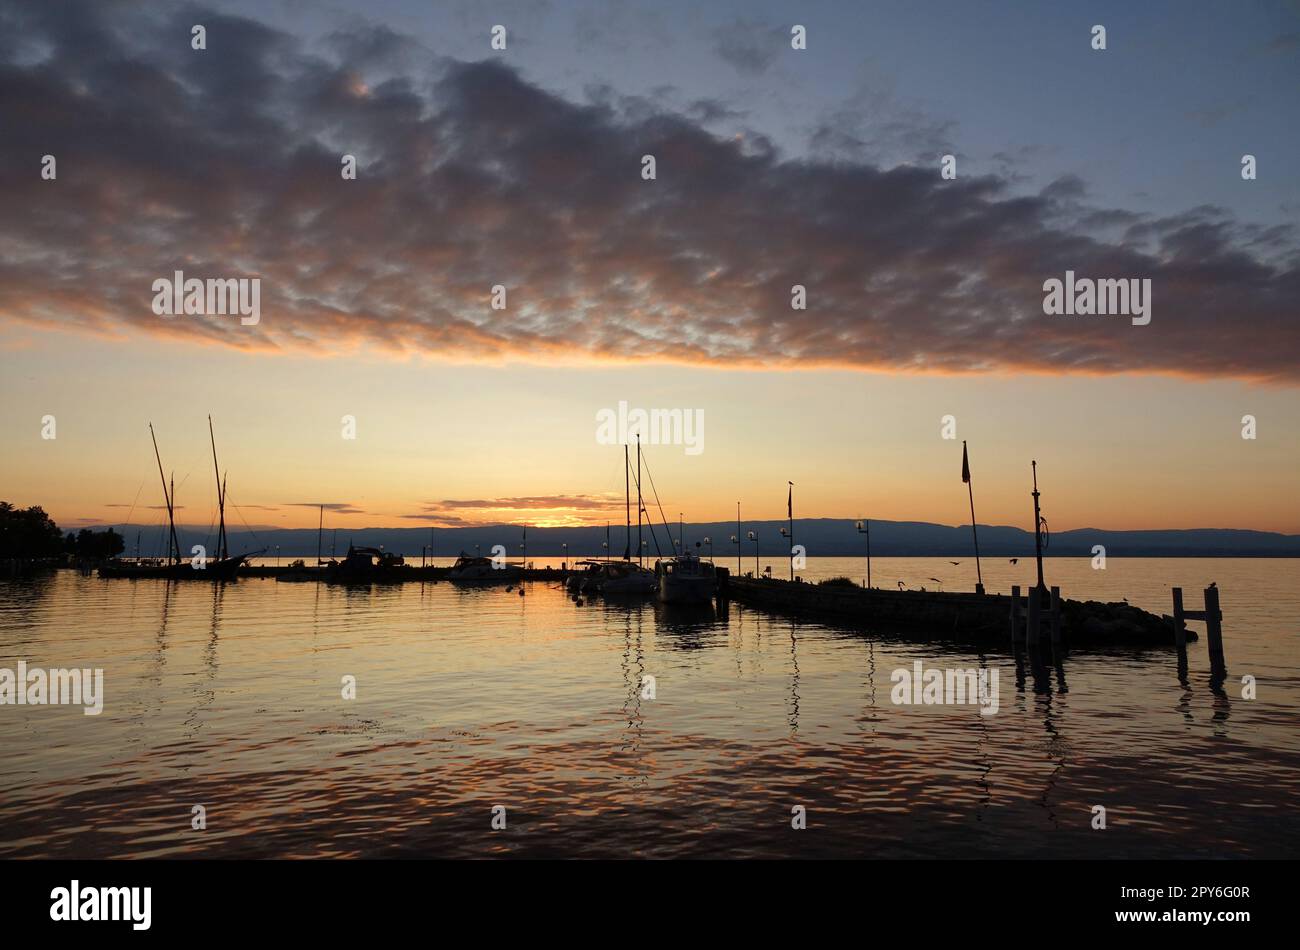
{"x":483,"y":570}
{"x":624,"y":577}
{"x":365,"y":566}
{"x":585,"y":577}
{"x":686,"y":580}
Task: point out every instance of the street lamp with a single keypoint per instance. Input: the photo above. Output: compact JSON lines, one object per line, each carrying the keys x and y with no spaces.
{"x":709,"y":541}
{"x":753,"y":536}
{"x":790,"y":535}
{"x":564,"y":564}
{"x":864,"y":527}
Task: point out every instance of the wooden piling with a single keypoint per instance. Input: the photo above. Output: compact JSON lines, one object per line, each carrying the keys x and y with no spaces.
{"x":1016,"y":629}
{"x":1056,"y":620}
{"x":1214,"y":631}
{"x":1035,"y":618}
{"x":1180,"y":622}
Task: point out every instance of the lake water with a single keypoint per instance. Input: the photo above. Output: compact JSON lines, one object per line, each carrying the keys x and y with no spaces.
{"x":229,"y":697}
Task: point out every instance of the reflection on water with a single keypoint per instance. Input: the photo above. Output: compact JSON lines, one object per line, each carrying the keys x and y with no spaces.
{"x":230,"y":696}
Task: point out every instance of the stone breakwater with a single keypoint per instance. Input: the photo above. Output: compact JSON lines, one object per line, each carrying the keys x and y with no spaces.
{"x":985,"y":617}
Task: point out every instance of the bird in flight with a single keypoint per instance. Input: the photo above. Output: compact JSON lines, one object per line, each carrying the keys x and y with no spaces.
{"x":1014,"y":560}
{"x":953,"y":563}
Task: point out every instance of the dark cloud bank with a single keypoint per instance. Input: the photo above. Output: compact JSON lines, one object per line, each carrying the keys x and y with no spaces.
{"x":225,"y":163}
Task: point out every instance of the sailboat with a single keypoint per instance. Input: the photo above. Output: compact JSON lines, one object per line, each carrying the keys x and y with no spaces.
{"x":623,"y":577}
{"x":222,"y":567}
{"x":225,"y":566}
{"x":300,"y":573}
{"x":684,"y":578}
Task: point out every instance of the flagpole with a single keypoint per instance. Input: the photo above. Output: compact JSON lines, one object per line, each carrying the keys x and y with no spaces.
{"x":965,"y":470}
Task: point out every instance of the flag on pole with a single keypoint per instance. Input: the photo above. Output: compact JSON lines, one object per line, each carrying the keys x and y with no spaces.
{"x":965,"y":464}
{"x":789,"y":502}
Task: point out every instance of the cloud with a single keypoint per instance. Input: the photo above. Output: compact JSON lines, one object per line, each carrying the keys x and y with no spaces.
{"x":225,"y":163}
{"x":749,"y":46}
{"x":338,"y":507}
{"x":545,"y":510}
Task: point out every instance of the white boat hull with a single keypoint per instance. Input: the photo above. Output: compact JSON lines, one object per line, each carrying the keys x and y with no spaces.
{"x":686,"y":589}
{"x":639,"y":583}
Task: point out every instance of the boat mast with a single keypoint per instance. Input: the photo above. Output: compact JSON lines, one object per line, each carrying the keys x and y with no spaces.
{"x":1038,"y":530}
{"x":320,"y":526}
{"x":221,"y":495}
{"x":171,"y":518}
{"x":640,"y":505}
{"x":627,"y":504}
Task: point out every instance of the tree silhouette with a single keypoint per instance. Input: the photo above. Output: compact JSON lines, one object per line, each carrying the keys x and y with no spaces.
{"x":28,"y":533}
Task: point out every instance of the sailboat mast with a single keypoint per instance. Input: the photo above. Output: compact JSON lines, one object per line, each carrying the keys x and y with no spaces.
{"x":627,"y":505}
{"x":320,"y":526}
{"x":639,"y":503}
{"x":171,"y":520}
{"x":221,"y":494}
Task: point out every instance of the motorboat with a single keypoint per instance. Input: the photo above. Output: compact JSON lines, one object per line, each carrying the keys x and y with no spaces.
{"x":686,"y":579}
{"x":484,"y":570}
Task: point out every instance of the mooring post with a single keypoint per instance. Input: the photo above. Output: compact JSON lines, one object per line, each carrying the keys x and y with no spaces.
{"x":1180,"y":622}
{"x":1015,"y":615}
{"x":1035,"y":618}
{"x":1214,"y":630}
{"x":1056,"y":619}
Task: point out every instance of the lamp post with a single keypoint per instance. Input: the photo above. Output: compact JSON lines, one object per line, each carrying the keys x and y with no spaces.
{"x":735,"y":539}
{"x":753,"y":536}
{"x":277,"y":555}
{"x":564,"y":546}
{"x":789,"y":510}
{"x":864,"y":527}
{"x":709,"y":541}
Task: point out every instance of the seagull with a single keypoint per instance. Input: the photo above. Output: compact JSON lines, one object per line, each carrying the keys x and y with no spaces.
{"x":1213,"y":584}
{"x":1014,"y":560}
{"x":900,"y":585}
{"x":953,"y":563}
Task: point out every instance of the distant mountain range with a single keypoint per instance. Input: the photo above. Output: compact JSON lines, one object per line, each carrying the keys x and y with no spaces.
{"x":821,"y":537}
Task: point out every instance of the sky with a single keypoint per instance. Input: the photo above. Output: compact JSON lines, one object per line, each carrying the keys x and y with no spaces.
{"x":523,"y":168}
